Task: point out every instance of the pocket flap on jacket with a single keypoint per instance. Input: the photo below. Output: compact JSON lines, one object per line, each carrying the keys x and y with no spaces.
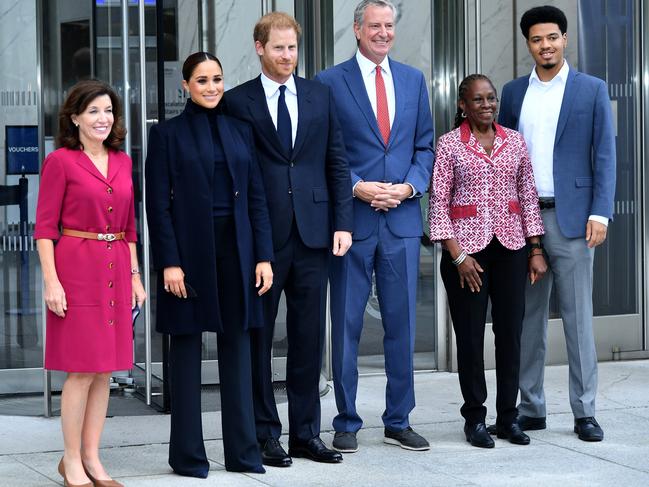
{"x":583,"y":182}
{"x":466,"y":211}
{"x":514,"y":207}
{"x":320,"y":194}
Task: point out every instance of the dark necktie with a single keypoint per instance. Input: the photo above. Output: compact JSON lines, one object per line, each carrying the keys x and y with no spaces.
{"x":284,"y":131}
{"x":382,"y":114}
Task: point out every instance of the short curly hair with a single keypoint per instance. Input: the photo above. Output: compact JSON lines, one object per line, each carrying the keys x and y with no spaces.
{"x":78,"y":99}
{"x":546,"y":14}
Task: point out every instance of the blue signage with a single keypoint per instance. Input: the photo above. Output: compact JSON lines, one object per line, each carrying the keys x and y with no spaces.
{"x":21,"y":144}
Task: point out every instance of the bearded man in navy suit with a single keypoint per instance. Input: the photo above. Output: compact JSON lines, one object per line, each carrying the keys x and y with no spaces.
{"x":388,"y":129}
{"x":566,"y":119}
{"x":306,"y":177}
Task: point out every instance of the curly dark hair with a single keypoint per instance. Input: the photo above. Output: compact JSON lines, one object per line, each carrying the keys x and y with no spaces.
{"x":78,"y":99}
{"x":461,"y":93}
{"x":546,"y":14}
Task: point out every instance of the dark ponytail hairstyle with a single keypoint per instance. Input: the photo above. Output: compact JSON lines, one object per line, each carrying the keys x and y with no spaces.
{"x":461,"y":93}
{"x":194,"y":60}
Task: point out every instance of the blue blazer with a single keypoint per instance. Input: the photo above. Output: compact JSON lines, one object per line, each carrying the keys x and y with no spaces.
{"x":408,"y":156}
{"x":312,"y":183}
{"x":179,"y":172}
{"x":584,"y":149}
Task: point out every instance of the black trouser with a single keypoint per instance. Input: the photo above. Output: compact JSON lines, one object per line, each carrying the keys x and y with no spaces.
{"x":301,"y":272}
{"x":503,"y":280}
{"x":186,"y":449}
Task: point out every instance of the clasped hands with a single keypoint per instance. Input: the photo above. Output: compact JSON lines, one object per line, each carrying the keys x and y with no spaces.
{"x":382,"y":196}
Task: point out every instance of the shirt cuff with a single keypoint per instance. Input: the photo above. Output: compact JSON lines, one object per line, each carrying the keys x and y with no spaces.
{"x":414,"y":191}
{"x":354,"y":188}
{"x":600,"y":219}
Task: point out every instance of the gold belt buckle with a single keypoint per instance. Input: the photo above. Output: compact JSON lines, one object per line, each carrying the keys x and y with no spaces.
{"x":107,"y":237}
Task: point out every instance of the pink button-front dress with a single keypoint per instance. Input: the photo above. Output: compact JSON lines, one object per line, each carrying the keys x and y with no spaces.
{"x":96,"y":333}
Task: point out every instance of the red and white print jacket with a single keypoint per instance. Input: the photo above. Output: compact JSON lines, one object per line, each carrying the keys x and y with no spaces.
{"x":475,"y":196}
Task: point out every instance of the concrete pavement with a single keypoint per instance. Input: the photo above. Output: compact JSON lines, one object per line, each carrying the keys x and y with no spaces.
{"x":135,"y":448}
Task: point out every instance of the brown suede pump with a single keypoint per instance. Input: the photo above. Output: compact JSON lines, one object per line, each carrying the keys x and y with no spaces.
{"x":102,"y":483}
{"x":65,"y":479}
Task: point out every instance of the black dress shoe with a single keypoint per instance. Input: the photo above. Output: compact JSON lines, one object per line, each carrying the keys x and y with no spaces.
{"x":477,"y":435}
{"x":315,"y":450}
{"x":513,"y":433}
{"x":526,"y":423}
{"x":588,"y":429}
{"x":273,"y":455}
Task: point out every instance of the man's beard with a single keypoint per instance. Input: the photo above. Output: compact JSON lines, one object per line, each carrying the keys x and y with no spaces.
{"x":549,"y":65}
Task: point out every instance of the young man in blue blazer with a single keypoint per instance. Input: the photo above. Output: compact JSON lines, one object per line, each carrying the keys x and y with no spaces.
{"x":388,"y":130}
{"x":566,"y":119}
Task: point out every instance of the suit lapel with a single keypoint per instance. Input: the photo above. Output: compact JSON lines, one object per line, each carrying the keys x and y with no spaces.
{"x":354,"y":80}
{"x":566,"y":104}
{"x":517,"y":99}
{"x":400,"y":91}
{"x":258,"y":108}
{"x":303,"y":113}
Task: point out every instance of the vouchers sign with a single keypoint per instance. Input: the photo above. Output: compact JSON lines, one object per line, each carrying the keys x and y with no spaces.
{"x":21,"y":147}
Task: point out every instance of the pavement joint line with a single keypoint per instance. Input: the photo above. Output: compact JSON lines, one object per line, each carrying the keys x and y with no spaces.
{"x":32,"y":469}
{"x":590,"y":455}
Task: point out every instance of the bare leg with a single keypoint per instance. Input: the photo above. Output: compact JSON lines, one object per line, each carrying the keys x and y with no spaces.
{"x":93,"y":425}
{"x":74,"y":399}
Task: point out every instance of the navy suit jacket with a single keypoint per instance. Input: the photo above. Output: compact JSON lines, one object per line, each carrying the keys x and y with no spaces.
{"x":408,"y":156}
{"x":584,"y":149}
{"x":179,"y":172}
{"x":312,"y":183}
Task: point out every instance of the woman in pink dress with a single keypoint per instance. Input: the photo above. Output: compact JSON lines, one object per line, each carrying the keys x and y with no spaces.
{"x":91,"y":276}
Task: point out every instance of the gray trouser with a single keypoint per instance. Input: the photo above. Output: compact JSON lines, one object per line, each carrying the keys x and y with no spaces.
{"x":570,"y":270}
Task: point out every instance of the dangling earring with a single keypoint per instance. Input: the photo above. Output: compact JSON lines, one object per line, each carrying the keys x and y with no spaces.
{"x":463,"y":115}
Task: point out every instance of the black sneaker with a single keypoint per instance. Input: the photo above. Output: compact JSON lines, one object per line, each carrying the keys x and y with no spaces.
{"x":345,"y":442}
{"x":407,"y":439}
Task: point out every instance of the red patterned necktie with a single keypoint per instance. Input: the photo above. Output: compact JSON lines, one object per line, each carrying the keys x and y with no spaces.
{"x":382,"y":114}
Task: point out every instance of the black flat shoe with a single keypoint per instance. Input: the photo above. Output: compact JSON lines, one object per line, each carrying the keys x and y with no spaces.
{"x":588,"y":429}
{"x":273,"y":455}
{"x":315,"y":450}
{"x":513,"y":433}
{"x":477,"y":435}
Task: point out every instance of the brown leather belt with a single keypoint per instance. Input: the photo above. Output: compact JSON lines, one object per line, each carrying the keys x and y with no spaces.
{"x":106,"y":237}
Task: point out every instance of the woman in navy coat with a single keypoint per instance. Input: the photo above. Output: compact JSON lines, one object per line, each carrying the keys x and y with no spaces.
{"x":211,"y":244}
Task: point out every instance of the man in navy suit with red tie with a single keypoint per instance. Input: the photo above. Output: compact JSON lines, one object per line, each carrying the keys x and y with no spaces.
{"x":302,"y":157}
{"x":383,"y":107}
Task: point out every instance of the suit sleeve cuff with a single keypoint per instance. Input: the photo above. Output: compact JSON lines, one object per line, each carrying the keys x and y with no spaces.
{"x":414,"y":192}
{"x":600,"y":219}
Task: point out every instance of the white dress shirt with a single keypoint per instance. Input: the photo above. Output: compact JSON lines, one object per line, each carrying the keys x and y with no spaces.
{"x":271,"y":89}
{"x":538,"y":124}
{"x":368,"y":72}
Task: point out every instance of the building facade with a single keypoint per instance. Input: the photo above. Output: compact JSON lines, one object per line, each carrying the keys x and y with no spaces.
{"x":138,"y":46}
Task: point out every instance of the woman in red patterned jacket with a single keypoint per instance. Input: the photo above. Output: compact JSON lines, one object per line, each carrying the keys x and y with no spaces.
{"x":483,"y":209}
